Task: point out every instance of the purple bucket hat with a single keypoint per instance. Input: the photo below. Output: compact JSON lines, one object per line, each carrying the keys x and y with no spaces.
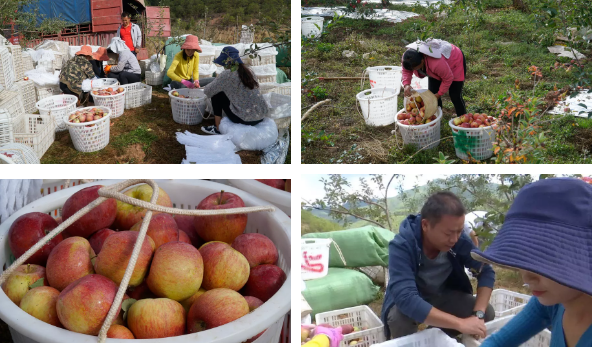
{"x":548,"y":231}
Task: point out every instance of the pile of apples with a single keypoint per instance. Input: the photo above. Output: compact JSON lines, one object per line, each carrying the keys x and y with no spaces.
{"x":473,"y":121}
{"x":88,"y":115}
{"x":415,"y":113}
{"x":192,"y":273}
{"x":280,"y":184}
{"x":176,"y":94}
{"x":108,"y":91}
{"x":307,"y":332}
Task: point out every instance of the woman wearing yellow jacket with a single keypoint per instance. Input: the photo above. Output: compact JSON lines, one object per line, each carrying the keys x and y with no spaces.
{"x":184,"y":71}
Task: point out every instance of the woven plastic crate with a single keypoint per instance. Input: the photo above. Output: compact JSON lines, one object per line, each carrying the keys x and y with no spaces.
{"x":13,"y":153}
{"x":506,"y":302}
{"x":428,"y":338}
{"x":53,"y":185}
{"x":17,"y":61}
{"x":12,"y":101}
{"x":34,"y":131}
{"x":206,"y":59}
{"x":90,"y":136}
{"x":137,"y":94}
{"x":107,"y":82}
{"x":6,"y":127}
{"x":27,"y":62}
{"x":115,"y":103}
{"x":48,"y":65}
{"x":476,"y":141}
{"x":266,"y":78}
{"x":6,"y":68}
{"x":284,"y":88}
{"x":379,"y":106}
{"x":542,"y":339}
{"x":384,"y":76}
{"x":58,"y":61}
{"x":46,"y":92}
{"x":57,"y":106}
{"x":144,"y":65}
{"x":247,"y":36}
{"x":261,"y":60}
{"x":28,"y":94}
{"x":154,"y":79}
{"x":360,"y":316}
{"x":267,"y":87}
{"x":188,"y":111}
{"x":424,"y":135}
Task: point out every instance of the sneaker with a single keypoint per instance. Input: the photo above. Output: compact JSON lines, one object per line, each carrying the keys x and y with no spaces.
{"x":210,"y":130}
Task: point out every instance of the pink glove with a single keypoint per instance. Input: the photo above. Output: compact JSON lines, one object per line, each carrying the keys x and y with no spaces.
{"x":334,"y":335}
{"x":196,"y":83}
{"x":188,"y":84}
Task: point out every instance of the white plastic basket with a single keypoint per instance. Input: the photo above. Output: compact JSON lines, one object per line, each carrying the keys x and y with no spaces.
{"x":58,"y":61}
{"x":384,"y":76}
{"x":424,"y":135}
{"x":311,"y":26}
{"x":13,"y":153}
{"x":58,"y":106}
{"x":188,"y":111}
{"x":27,"y":62}
{"x":108,"y":82}
{"x":12,"y":101}
{"x":477,"y":141}
{"x":183,"y":193}
{"x":206,"y":59}
{"x":144,"y":64}
{"x":428,"y":338}
{"x":266,"y":78}
{"x":46,"y":92}
{"x":506,"y":302}
{"x":314,"y":261}
{"x":260,"y":60}
{"x":29,"y":95}
{"x":154,"y":79}
{"x":6,"y":127}
{"x":17,"y":61}
{"x":137,"y":94}
{"x":115,"y":103}
{"x":53,"y":185}
{"x":6,"y":68}
{"x":360,"y":316}
{"x":379,"y":105}
{"x":35,"y":131}
{"x":542,"y":339}
{"x":279,"y":198}
{"x":90,"y":136}
{"x":284,"y":88}
{"x":247,"y":36}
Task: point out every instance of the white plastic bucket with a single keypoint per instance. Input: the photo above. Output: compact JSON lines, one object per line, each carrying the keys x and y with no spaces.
{"x":185,"y":194}
{"x":385,"y":76}
{"x":314,"y":257}
{"x":379,"y":106}
{"x":279,"y":198}
{"x":312,"y":26}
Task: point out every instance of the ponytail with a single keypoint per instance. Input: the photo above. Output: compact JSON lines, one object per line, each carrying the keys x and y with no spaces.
{"x":246,"y":76}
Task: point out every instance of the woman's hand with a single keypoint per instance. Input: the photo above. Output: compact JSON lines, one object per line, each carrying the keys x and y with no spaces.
{"x":187,"y":84}
{"x":408,"y":91}
{"x":196,"y":83}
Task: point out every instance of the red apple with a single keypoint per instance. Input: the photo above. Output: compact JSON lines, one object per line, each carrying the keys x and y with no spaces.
{"x":224,"y":228}
{"x":457,"y":121}
{"x":224,"y":267}
{"x":253,"y":302}
{"x":69,"y":261}
{"x":120,"y":332}
{"x":185,"y":223}
{"x":98,"y":238}
{"x":116,"y":253}
{"x":183,"y":237}
{"x":215,"y":308}
{"x":98,"y":218}
{"x":288,"y":187}
{"x":257,"y":249}
{"x":140,"y":292}
{"x":40,"y":302}
{"x":83,"y":306}
{"x":176,"y":271}
{"x":189,"y":302}
{"x":17,"y":285}
{"x":465,"y":125}
{"x":128,"y":215}
{"x":156,"y":318}
{"x":279,"y":184}
{"x":27,"y":230}
{"x":264,"y":281}
{"x":162,"y":229}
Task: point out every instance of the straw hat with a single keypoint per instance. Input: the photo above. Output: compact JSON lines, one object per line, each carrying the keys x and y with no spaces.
{"x":191,"y":43}
{"x":85,"y":51}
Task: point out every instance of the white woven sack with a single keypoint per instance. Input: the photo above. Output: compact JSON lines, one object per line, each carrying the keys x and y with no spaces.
{"x":16,"y":193}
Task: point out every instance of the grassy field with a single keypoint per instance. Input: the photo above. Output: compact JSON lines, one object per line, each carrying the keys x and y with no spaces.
{"x":499,"y":50}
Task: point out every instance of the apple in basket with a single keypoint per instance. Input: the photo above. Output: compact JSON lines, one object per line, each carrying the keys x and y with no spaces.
{"x":275,"y":183}
{"x":128,"y":215}
{"x":223,"y":228}
{"x":185,"y":223}
{"x":215,"y":308}
{"x":27,"y":230}
{"x":187,"y":303}
{"x":69,"y":261}
{"x":224,"y":267}
{"x":95,"y":92}
{"x":17,"y":285}
{"x":109,"y":89}
{"x":256,"y":248}
{"x":98,"y":239}
{"x":120,"y":90}
{"x":162,"y":229}
{"x":98,"y":218}
{"x":175,"y":94}
{"x":156,"y":318}
{"x":120,"y":332}
{"x":264,"y":281}
{"x":40,"y":302}
{"x":26,"y":78}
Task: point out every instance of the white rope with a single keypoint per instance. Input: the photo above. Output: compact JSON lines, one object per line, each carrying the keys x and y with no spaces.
{"x":114,"y":192}
{"x":339,"y":252}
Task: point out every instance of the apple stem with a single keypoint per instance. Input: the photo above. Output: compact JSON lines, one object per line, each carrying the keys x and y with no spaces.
{"x":220,"y":200}
{"x":28,"y":268}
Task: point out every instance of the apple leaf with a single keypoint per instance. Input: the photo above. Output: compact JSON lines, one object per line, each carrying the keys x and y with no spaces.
{"x":125,"y":306}
{"x":37,"y":283}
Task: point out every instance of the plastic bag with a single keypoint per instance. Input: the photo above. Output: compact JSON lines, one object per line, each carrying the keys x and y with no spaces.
{"x":207,"y":69}
{"x":276,"y":153}
{"x":208,"y":50}
{"x":89,"y":84}
{"x":211,"y":149}
{"x":268,"y":69}
{"x":41,"y":55}
{"x":162,"y":62}
{"x":42,"y":78}
{"x":280,"y":105}
{"x":255,"y":138}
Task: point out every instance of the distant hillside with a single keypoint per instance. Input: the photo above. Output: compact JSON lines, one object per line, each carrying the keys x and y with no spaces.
{"x":311,"y":223}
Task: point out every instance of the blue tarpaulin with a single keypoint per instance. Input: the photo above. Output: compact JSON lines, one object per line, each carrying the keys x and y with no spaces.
{"x":75,"y":11}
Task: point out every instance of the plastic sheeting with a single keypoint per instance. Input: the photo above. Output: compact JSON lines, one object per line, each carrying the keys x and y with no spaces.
{"x":277,"y":153}
{"x":254,"y":138}
{"x":75,"y":11}
{"x":42,"y":78}
{"x":379,"y":14}
{"x":210,"y":149}
{"x":580,"y":105}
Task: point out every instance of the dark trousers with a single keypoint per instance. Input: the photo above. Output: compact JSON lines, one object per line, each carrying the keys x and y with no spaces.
{"x":202,"y":83}
{"x":98,"y":68}
{"x":125,"y":78}
{"x":455,"y":91}
{"x":453,"y":302}
{"x":135,"y":53}
{"x":64,"y":88}
{"x":221,"y":102}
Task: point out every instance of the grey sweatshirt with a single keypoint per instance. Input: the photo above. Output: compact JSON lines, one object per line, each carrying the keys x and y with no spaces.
{"x":248,"y":104}
{"x":127,"y":62}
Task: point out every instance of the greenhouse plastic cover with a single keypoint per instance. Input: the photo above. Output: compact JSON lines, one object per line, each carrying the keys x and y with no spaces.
{"x":74,"y":11}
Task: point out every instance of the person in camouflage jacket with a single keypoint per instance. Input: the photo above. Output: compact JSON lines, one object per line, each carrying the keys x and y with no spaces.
{"x":77,"y":70}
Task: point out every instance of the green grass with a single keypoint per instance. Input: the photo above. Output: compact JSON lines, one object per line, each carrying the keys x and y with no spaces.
{"x":499,"y":49}
{"x":140,"y":135}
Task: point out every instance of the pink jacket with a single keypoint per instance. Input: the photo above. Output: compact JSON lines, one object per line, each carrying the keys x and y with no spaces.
{"x":442,"y":69}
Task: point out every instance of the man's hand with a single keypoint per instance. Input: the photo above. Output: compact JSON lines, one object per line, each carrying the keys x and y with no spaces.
{"x":472,"y":326}
{"x":408,"y":91}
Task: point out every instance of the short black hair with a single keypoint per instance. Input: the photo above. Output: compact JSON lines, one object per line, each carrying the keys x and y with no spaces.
{"x":125,"y":14}
{"x":442,"y":203}
{"x":411,"y":59}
